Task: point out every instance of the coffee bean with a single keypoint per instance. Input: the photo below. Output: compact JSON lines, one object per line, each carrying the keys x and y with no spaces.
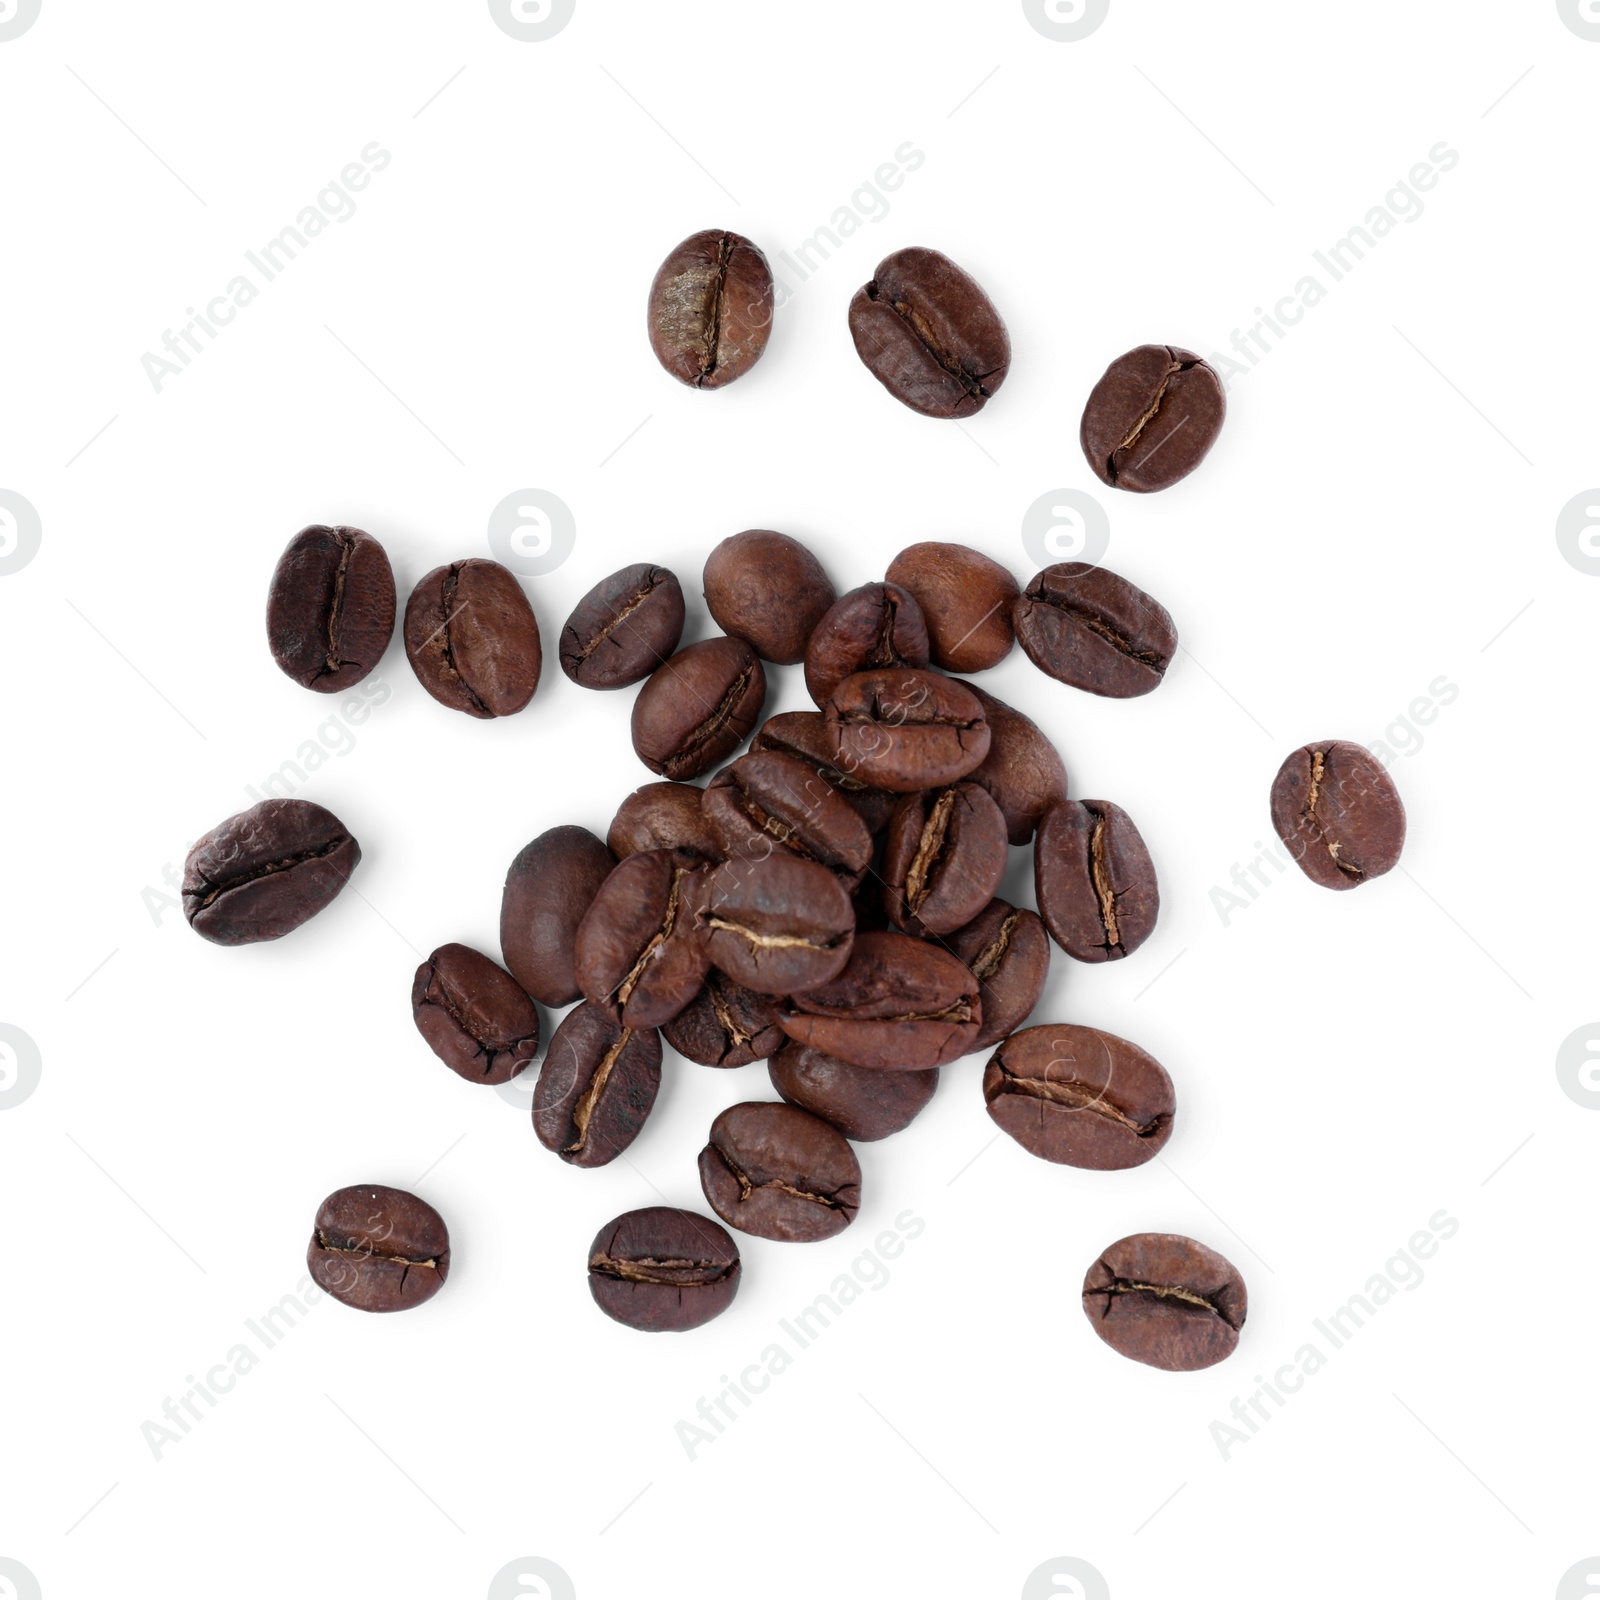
{"x":779,"y":926}
{"x":944,"y":858}
{"x":1080,"y":1097}
{"x":899,"y":1004}
{"x":597,"y":1085}
{"x":877,"y":625}
{"x":804,"y":735}
{"x":930,"y":335}
{"x":624,"y":628}
{"x":262,"y":873}
{"x":1008,"y":952}
{"x":1094,"y":880}
{"x":725,"y":1025}
{"x":1338,"y":811}
{"x":662,"y":1270}
{"x":663,"y":816}
{"x":862,"y":1103}
{"x":378,"y":1249}
{"x":766,"y":802}
{"x":780,"y":1173}
{"x":966,"y":600}
{"x":1167,"y":1301}
{"x":1089,"y":628}
{"x":768,"y":590}
{"x":472,"y":639}
{"x":698,"y":708}
{"x":474,"y":1015}
{"x":904,"y":730}
{"x":711,"y":309}
{"x":330,"y":610}
{"x":1152,"y":418}
{"x":549,"y":886}
{"x":1022,"y":770}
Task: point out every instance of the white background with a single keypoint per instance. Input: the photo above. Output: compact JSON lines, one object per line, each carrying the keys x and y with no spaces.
{"x":1380,"y":514}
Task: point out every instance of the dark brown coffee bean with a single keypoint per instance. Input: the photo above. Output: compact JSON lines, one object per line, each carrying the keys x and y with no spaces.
{"x":472,"y":639}
{"x":930,"y":335}
{"x":1022,"y":770}
{"x":597,"y":1085}
{"x":662,"y":1270}
{"x":663,"y":816}
{"x":905,"y":730}
{"x":944,"y":858}
{"x":1087,"y":627}
{"x":1009,"y":954}
{"x":899,"y":1004}
{"x":262,"y":873}
{"x":726,"y":1025}
{"x":550,"y":885}
{"x":1080,"y":1097}
{"x":1167,"y":1301}
{"x":330,"y":610}
{"x":766,"y":802}
{"x":768,"y":590}
{"x":378,"y":1249}
{"x":780,"y":1173}
{"x":1152,"y":418}
{"x":779,"y":926}
{"x":474,"y":1015}
{"x":624,"y":628}
{"x":711,"y":309}
{"x":1094,"y":880}
{"x":877,"y":625}
{"x":862,"y":1103}
{"x":698,"y":708}
{"x":804,"y":735}
{"x":1339,"y":813}
{"x":966,"y":600}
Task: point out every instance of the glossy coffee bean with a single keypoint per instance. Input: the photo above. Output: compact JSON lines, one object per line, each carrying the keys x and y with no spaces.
{"x":944,"y":858}
{"x":767,"y":802}
{"x":768,"y":590}
{"x":662,"y":1270}
{"x":711,"y":309}
{"x":1080,"y":1097}
{"x":331,"y":607}
{"x":378,"y":1249}
{"x":1167,"y":1301}
{"x":663,"y":816}
{"x":877,"y":625}
{"x":624,"y":628}
{"x":698,"y":708}
{"x":930,"y":335}
{"x":475,"y":1016}
{"x":597,"y":1085}
{"x":262,"y":873}
{"x":1094,"y":880}
{"x":966,"y":600}
{"x":726,"y":1025}
{"x":780,"y":1173}
{"x":1008,"y":952}
{"x":1087,"y":627}
{"x":472,"y":639}
{"x":779,"y":926}
{"x":862,"y":1103}
{"x":904,"y":730}
{"x":1023,"y":769}
{"x":1339,"y":813}
{"x":550,"y":885}
{"x":1153,"y":418}
{"x":804,"y":735}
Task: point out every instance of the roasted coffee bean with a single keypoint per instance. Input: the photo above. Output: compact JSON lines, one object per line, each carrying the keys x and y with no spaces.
{"x":780,"y":1173}
{"x":1094,"y":880}
{"x":378,"y":1249}
{"x":597,"y":1085}
{"x":662,"y":1270}
{"x":766,"y":802}
{"x":474,"y":1015}
{"x":904,"y":730}
{"x":944,"y":858}
{"x":877,"y":625}
{"x":698,"y":708}
{"x":638,"y":955}
{"x":472,"y":639}
{"x":1339,"y":813}
{"x":779,"y":926}
{"x":1087,"y":627}
{"x":330,"y":610}
{"x":711,"y":309}
{"x":860,"y":1102}
{"x":1166,"y":1301}
{"x":768,"y":590}
{"x":624,"y":628}
{"x":804,"y":734}
{"x":899,"y":1004}
{"x":262,"y":873}
{"x":1152,"y":418}
{"x":1009,"y":954}
{"x":1080,"y":1097}
{"x":663,"y":816}
{"x":726,"y":1025}
{"x":1022,"y":770}
{"x":930,"y":335}
{"x":550,"y":885}
{"x":966,"y":600}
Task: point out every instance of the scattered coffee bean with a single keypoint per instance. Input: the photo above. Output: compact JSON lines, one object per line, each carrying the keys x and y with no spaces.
{"x":862,"y":1103}
{"x":711,"y":309}
{"x":1152,"y":418}
{"x":1094,"y":880}
{"x":331,"y":607}
{"x":550,"y":885}
{"x":1087,"y":627}
{"x":944,"y":858}
{"x":663,"y":816}
{"x":1022,"y":770}
{"x":726,"y":1025}
{"x":779,"y":926}
{"x":966,"y":600}
{"x":780,"y":1173}
{"x":768,"y":590}
{"x":597,"y":1085}
{"x":1166,"y":1301}
{"x":378,"y":1249}
{"x":877,"y":625}
{"x":905,"y":730}
{"x":766,"y":802}
{"x":472,"y":639}
{"x":474,"y":1015}
{"x":804,"y":735}
{"x":698,"y":708}
{"x":1008,"y":952}
{"x":1338,"y":811}
{"x":662,"y":1270}
{"x":624,"y":628}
